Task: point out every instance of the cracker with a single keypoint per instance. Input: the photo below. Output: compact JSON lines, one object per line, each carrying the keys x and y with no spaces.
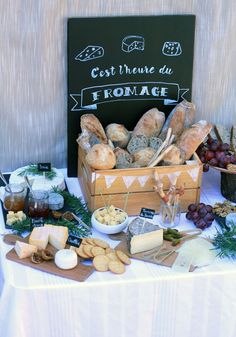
{"x":101,"y":243}
{"x":98,"y":251}
{"x":88,"y":250}
{"x":109,"y":250}
{"x":100,"y":262}
{"x":112,"y":256}
{"x":90,"y":241}
{"x":116,"y":267}
{"x":81,"y":252}
{"x":123,"y":257}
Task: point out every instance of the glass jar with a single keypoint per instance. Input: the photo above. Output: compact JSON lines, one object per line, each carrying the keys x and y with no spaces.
{"x":38,"y":204}
{"x":170,"y":215}
{"x":14,"y":197}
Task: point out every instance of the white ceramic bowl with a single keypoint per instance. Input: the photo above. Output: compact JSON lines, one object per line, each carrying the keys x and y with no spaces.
{"x":109,"y":229}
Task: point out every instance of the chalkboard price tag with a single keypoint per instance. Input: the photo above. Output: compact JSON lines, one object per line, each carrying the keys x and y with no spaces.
{"x":74,"y":240}
{"x":147,"y":213}
{"x":44,"y":167}
{"x":37,"y":222}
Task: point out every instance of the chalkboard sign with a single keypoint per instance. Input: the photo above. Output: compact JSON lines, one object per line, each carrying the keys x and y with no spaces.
{"x":119,"y":67}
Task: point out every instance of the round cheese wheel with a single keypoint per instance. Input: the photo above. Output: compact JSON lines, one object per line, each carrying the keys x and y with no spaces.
{"x":66,"y":259}
{"x":38,"y":182}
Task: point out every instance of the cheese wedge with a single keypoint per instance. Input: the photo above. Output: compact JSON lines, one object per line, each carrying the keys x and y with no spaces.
{"x":147,"y":241}
{"x":58,"y":236}
{"x":55,"y":235}
{"x":39,"y":237}
{"x":24,"y":250}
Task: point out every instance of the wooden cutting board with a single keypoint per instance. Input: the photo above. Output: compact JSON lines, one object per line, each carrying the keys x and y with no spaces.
{"x":80,"y":273}
{"x":150,"y":256}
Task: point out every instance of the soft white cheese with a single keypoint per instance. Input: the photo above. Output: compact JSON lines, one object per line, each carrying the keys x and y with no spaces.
{"x":66,"y":259}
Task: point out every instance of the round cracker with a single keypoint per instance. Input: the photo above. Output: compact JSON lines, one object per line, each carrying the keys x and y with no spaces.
{"x":101,"y":243}
{"x":123,"y":257}
{"x":90,"y":241}
{"x":109,"y":250}
{"x":88,"y":250}
{"x":98,"y":251}
{"x":112,"y":256}
{"x":116,"y":267}
{"x":80,"y":252}
{"x":100,"y":262}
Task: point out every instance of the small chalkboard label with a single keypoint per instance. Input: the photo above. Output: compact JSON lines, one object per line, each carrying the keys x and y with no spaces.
{"x":37,"y":222}
{"x":44,"y":167}
{"x":147,"y":213}
{"x":74,"y":240}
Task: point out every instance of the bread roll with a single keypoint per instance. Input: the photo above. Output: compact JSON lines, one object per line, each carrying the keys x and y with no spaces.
{"x":190,"y":110}
{"x":142,"y":157}
{"x":137,"y":142}
{"x":192,"y":137}
{"x":91,"y":123}
{"x":123,"y":158}
{"x":118,"y":134}
{"x":101,"y":157}
{"x":150,"y":123}
{"x":174,"y":156}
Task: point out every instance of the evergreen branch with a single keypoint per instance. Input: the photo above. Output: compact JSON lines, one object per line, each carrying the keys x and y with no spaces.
{"x":225,"y":242}
{"x":19,"y":227}
{"x":32,"y":169}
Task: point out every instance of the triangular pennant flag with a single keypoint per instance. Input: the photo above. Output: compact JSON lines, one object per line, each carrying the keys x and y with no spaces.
{"x":173,"y":177}
{"x":128,"y":180}
{"x":109,"y":180}
{"x":95,"y":176}
{"x":142,"y":180}
{"x":194,"y":173}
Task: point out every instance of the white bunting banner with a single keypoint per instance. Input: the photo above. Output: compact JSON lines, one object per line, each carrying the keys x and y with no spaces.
{"x":142,"y":180}
{"x":194,"y":173}
{"x":128,"y":180}
{"x":95,"y":176}
{"x":110,"y":180}
{"x":173,"y":177}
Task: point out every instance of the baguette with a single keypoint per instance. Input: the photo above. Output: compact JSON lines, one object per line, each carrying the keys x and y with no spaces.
{"x":150,"y":123}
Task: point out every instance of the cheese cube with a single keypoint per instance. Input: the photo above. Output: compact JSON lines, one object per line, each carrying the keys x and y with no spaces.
{"x":24,"y":250}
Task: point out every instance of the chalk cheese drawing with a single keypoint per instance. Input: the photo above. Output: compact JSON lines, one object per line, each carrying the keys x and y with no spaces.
{"x":171,"y":48}
{"x":132,"y":42}
{"x":90,"y":53}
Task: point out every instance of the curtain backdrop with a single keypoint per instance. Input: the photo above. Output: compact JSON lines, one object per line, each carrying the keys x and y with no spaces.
{"x":33,"y":88}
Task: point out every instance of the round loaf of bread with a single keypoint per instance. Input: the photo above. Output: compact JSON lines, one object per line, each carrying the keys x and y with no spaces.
{"x":118,"y":134}
{"x":136,"y":143}
{"x":101,"y":157}
{"x":123,"y":158}
{"x":142,"y":157}
{"x":150,"y":123}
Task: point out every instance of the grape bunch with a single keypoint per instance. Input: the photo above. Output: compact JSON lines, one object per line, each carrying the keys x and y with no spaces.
{"x":215,"y":153}
{"x":201,"y":215}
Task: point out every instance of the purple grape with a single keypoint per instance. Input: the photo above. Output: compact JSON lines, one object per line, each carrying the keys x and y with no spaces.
{"x":195,"y":215}
{"x":206,"y":168}
{"x":201,"y":224}
{"x":224,"y":147}
{"x":202,"y":212}
{"x":201,"y":205}
{"x":189,"y":215}
{"x":209,"y":217}
{"x":233,"y":158}
{"x":213,"y":162}
{"x":209,"y":208}
{"x":192,"y":207}
{"x":219,"y":155}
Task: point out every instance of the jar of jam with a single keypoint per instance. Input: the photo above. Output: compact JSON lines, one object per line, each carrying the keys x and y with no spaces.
{"x":38,"y":204}
{"x":14,"y":197}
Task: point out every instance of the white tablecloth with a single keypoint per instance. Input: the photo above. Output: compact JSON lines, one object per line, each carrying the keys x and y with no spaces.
{"x":147,"y":301}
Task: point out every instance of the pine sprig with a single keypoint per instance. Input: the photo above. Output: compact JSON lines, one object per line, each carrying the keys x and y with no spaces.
{"x":225,"y":242}
{"x":76,"y":205}
{"x":20,"y":227}
{"x":32,"y":169}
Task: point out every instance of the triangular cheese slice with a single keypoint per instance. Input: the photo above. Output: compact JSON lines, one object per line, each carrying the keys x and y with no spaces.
{"x":24,"y":250}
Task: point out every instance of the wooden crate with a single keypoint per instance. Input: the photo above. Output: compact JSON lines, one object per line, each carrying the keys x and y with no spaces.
{"x":113,"y":185}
